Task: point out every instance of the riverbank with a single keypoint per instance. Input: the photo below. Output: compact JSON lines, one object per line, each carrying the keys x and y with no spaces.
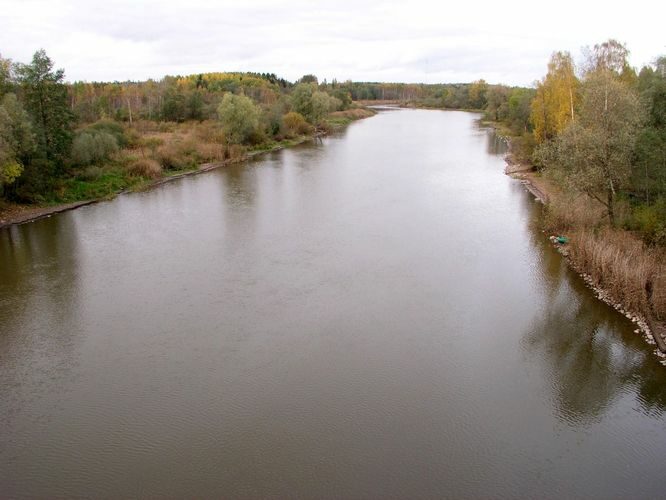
{"x":12,"y":214}
{"x":616,"y":265}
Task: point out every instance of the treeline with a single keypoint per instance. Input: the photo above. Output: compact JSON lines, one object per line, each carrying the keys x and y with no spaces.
{"x":600,"y":130}
{"x":473,"y":96}
{"x":62,"y":141}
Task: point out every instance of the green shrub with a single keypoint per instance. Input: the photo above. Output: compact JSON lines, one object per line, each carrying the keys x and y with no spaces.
{"x":650,"y":221}
{"x":91,"y":147}
{"x":91,"y":173}
{"x":113,"y":128}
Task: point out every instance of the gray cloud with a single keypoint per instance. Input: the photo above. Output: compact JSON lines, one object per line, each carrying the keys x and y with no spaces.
{"x":413,"y":41}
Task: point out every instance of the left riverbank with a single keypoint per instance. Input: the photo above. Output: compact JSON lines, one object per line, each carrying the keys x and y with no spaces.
{"x":12,"y":214}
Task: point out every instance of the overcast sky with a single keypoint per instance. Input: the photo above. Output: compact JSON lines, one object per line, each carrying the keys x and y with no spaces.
{"x":407,"y":41}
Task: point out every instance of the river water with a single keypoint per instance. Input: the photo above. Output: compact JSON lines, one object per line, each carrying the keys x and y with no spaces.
{"x":372,"y":315}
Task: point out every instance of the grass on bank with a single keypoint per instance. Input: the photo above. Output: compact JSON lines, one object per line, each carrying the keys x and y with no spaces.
{"x":618,"y":260}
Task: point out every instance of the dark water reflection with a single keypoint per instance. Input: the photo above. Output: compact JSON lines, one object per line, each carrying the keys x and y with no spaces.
{"x":374,"y":315}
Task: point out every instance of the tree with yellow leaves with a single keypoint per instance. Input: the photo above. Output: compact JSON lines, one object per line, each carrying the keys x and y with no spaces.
{"x":553,"y":107}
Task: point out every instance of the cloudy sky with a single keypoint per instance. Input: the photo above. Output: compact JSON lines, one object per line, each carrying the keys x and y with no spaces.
{"x":409,"y":41}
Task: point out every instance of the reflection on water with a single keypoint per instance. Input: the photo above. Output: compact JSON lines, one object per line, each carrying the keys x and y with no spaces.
{"x":590,"y":361}
{"x":38,"y":289}
{"x":496,"y":144}
{"x":373,"y":315}
{"x":591,"y":355}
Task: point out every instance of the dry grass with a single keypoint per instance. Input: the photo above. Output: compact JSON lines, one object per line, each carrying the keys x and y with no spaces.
{"x":186,"y":151}
{"x":208,"y":132}
{"x":620,"y":263}
{"x":145,"y":167}
{"x":354,"y":113}
{"x":566,"y":212}
{"x":236,"y":152}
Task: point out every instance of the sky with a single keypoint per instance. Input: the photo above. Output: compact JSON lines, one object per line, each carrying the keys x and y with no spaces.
{"x":505,"y":41}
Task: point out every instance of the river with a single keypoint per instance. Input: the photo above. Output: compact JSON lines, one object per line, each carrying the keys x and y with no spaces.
{"x":375,"y":314}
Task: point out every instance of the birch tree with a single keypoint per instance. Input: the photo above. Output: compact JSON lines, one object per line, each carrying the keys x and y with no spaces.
{"x":556,"y":98}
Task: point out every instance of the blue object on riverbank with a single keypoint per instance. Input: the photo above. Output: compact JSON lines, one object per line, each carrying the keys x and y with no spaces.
{"x":562,"y":240}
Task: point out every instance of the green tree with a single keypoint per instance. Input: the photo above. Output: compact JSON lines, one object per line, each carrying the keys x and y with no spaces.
{"x":322,"y":105}
{"x":16,"y":139}
{"x":195,"y":106}
{"x":6,"y":84}
{"x":45,"y":98}
{"x":497,"y":102}
{"x":301,"y":100}
{"x":239,"y":116}
{"x":649,"y":174}
{"x":174,"y":108}
{"x":593,"y":155}
{"x":343,"y":95}
{"x":477,"y":94}
{"x":308,"y":79}
{"x":518,"y":113}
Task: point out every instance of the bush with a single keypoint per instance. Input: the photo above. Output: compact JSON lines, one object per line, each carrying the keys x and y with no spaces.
{"x":91,"y":173}
{"x":236,"y":152}
{"x":295,"y":124}
{"x":132,"y":138}
{"x":650,"y":222}
{"x":171,"y":157}
{"x":166,"y":126}
{"x":110,"y":127}
{"x":91,"y":147}
{"x":144,"y":167}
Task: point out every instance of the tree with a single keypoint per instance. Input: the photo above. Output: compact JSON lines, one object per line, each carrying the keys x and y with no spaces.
{"x":195,"y":106}
{"x":497,"y":101}
{"x":308,"y":79}
{"x":301,"y":99}
{"x":323,"y":104}
{"x":594,"y":154}
{"x":610,"y":55}
{"x":16,"y":139}
{"x":6,"y":84}
{"x":45,"y":98}
{"x":519,"y":108}
{"x":239,"y":116}
{"x":649,"y":174}
{"x":343,"y":95}
{"x":553,"y":107}
{"x":477,"y":94}
{"x":174,"y":108}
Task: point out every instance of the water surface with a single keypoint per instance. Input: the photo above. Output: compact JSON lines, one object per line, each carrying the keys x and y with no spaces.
{"x":372,"y":315}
